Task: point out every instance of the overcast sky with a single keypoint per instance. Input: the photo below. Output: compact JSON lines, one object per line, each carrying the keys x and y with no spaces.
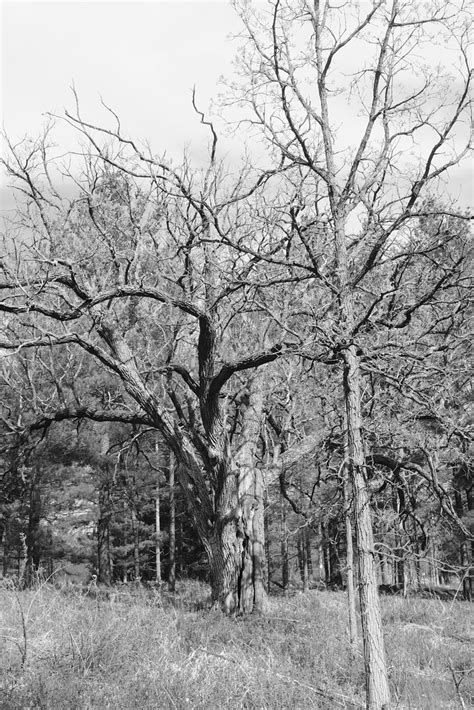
{"x":143,"y":58}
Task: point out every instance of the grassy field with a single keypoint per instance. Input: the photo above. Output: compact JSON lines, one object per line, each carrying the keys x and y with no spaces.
{"x":141,"y":649}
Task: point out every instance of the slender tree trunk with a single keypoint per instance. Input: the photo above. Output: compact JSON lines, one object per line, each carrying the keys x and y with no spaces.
{"x":385,"y":569}
{"x":172,"y":530}
{"x":104,"y":558}
{"x":33,"y":549}
{"x":267,"y":568}
{"x":350,"y":565}
{"x":378,"y":694}
{"x":334,"y":560}
{"x":136,"y":544}
{"x":464,"y":552}
{"x":303,"y":559}
{"x":179,"y":561}
{"x":6,"y":550}
{"x":399,"y":562}
{"x":259,"y":547}
{"x":326,"y":554}
{"x":158,"y":535}
{"x":309,"y":556}
{"x":416,"y":560}
{"x":285,"y":564}
{"x":320,"y":553}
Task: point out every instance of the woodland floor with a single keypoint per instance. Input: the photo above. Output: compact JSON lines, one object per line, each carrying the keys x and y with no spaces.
{"x":141,"y":650}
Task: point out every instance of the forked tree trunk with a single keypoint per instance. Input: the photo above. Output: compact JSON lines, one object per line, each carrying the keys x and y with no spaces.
{"x":377,"y":690}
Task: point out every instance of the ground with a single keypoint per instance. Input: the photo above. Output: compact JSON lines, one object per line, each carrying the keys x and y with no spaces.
{"x":141,"y":648}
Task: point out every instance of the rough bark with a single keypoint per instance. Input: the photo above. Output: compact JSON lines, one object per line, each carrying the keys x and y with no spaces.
{"x":251,"y":487}
{"x":224,"y":547}
{"x":351,"y":603}
{"x":377,"y":690}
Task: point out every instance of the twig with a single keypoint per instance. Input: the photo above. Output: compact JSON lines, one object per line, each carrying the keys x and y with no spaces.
{"x":457,"y":682}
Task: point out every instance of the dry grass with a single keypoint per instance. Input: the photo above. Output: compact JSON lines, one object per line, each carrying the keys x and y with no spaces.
{"x":142,"y":650}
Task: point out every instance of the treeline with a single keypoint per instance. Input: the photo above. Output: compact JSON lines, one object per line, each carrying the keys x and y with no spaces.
{"x":102,"y":499}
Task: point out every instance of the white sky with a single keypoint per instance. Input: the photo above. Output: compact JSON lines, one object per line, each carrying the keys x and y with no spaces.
{"x":143,"y":58}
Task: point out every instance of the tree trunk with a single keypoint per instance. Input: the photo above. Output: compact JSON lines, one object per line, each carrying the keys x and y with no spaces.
{"x":267,"y":568}
{"x":399,"y":562}
{"x":252,"y":594}
{"x":385,"y":569}
{"x":309,"y":557}
{"x":285,"y":564}
{"x":464,"y":552}
{"x":172,"y":529}
{"x":321,"y":554}
{"x":224,"y":549}
{"x":259,"y":547}
{"x":326,"y":554}
{"x":332,"y":546}
{"x":158,"y":534}
{"x":377,"y":690}
{"x":303,"y":559}
{"x":104,"y":558}
{"x":6,"y":547}
{"x":104,"y":561}
{"x":33,"y":548}
{"x":179,"y":541}
{"x":350,"y":565}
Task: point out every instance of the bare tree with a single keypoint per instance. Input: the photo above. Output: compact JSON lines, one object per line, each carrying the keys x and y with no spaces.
{"x":129,"y":263}
{"x":351,"y":96}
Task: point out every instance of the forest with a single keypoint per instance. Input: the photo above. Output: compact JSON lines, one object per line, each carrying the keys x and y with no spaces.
{"x":255,"y":375}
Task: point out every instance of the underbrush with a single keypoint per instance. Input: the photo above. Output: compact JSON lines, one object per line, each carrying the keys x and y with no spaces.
{"x":147,"y":649}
